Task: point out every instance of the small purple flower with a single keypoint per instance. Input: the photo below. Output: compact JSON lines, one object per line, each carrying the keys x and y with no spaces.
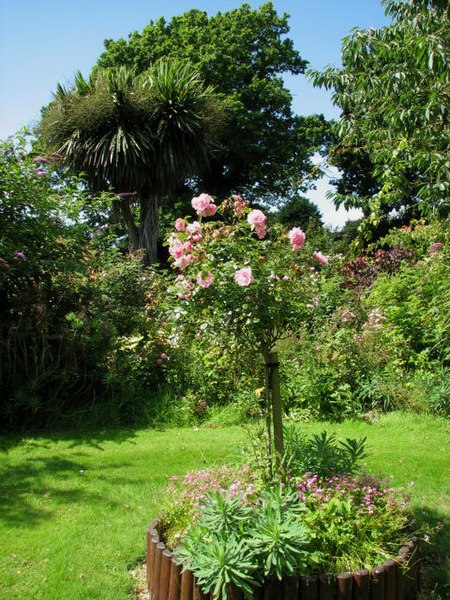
{"x":41,"y":172}
{"x":20,"y":255}
{"x":40,"y":159}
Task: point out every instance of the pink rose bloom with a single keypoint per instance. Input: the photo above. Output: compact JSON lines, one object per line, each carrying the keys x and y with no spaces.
{"x":180,"y":225}
{"x":194,"y":227}
{"x":320,"y":258}
{"x":164,"y":356}
{"x":205,"y":282}
{"x":261,"y":232}
{"x":204,"y":205}
{"x":244,"y":276}
{"x":210,"y":210}
{"x":257,"y":219}
{"x":175,"y":247}
{"x":297,"y":238}
{"x":184,"y":261}
{"x":159,"y":362}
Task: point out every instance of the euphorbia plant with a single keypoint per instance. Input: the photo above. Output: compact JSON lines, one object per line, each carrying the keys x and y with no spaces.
{"x":258,"y":284}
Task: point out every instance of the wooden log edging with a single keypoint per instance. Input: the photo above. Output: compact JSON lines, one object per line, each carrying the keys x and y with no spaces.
{"x":389,"y":581}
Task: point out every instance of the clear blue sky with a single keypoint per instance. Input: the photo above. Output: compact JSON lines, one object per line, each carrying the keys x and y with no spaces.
{"x":44,"y":42}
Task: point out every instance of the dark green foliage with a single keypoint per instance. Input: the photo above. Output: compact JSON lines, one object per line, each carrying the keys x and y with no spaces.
{"x":243,"y":55}
{"x":394,"y":94}
{"x":298,"y":212}
{"x":78,"y":326}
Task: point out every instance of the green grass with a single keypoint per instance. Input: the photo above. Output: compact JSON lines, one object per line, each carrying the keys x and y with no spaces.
{"x":73,"y":509}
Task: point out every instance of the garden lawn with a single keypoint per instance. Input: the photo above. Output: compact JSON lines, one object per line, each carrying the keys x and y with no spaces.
{"x":74,"y":508}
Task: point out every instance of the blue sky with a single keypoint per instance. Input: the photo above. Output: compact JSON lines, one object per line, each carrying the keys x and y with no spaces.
{"x":44,"y":42}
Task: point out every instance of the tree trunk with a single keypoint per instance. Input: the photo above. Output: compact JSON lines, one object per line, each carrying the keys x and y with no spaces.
{"x":148,"y":228}
{"x":133,"y":232}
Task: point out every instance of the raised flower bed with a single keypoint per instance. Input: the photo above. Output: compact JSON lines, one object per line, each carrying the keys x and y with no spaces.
{"x":392,"y":580}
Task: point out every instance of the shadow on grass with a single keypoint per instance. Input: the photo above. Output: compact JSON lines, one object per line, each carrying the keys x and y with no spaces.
{"x":93,"y":438}
{"x":435,"y":553}
{"x":35,"y":489}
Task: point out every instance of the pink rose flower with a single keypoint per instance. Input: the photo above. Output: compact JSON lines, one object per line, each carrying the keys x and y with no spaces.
{"x":205,"y":282}
{"x":164,"y":356}
{"x":257,"y":219}
{"x":297,"y":238}
{"x":159,"y":362}
{"x":184,"y":261}
{"x":320,"y":258}
{"x":244,"y":276}
{"x":180,"y":225}
{"x":204,"y":205}
{"x":194,"y":227}
{"x":261,"y":232}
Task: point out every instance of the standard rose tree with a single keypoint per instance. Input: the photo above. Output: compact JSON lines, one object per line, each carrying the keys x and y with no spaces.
{"x":258,"y":284}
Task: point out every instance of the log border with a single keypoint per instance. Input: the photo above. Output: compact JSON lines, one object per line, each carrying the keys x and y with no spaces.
{"x":390,"y":581}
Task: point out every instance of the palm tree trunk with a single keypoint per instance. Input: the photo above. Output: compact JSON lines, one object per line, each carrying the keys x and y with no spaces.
{"x":148,"y":228}
{"x":133,"y":232}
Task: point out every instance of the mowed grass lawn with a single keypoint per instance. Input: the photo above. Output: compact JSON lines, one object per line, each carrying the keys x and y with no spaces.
{"x":74,"y":508}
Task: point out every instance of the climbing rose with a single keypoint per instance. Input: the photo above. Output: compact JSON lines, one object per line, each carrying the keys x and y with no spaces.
{"x":296,"y":238}
{"x":204,"y":205}
{"x":244,"y":276}
{"x":320,"y":258}
{"x":205,"y":282}
{"x":180,"y":225}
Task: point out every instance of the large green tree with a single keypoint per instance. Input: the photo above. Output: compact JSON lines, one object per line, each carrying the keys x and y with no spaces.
{"x":393,"y":90}
{"x":138,"y":135}
{"x":243,"y":53}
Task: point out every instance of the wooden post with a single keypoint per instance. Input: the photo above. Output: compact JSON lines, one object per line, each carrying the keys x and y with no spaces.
{"x":277,"y":411}
{"x":377,"y":583}
{"x":361,"y":580}
{"x":186,"y":585}
{"x":390,"y":584}
{"x":308,"y":587}
{"x":175,"y":580}
{"x":344,"y":586}
{"x":164,"y":580}
{"x":326,"y":586}
{"x":290,"y":588}
{"x":159,"y":549}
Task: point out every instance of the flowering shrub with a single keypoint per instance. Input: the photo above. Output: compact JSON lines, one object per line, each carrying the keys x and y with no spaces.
{"x":236,"y":274}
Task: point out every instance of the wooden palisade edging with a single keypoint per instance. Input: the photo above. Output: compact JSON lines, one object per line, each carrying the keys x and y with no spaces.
{"x":389,"y":581}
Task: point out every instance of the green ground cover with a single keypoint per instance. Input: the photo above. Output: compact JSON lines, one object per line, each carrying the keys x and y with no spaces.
{"x":73,"y":508}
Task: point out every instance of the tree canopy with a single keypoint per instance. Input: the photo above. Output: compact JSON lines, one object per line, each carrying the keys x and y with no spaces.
{"x":393,"y":90}
{"x":243,"y":53}
{"x":138,"y":135}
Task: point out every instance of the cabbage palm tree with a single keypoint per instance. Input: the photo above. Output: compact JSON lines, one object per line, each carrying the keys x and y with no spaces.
{"x":136,"y":135}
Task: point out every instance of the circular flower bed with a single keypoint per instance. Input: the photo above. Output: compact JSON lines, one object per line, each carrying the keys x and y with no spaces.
{"x":226,"y":534}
